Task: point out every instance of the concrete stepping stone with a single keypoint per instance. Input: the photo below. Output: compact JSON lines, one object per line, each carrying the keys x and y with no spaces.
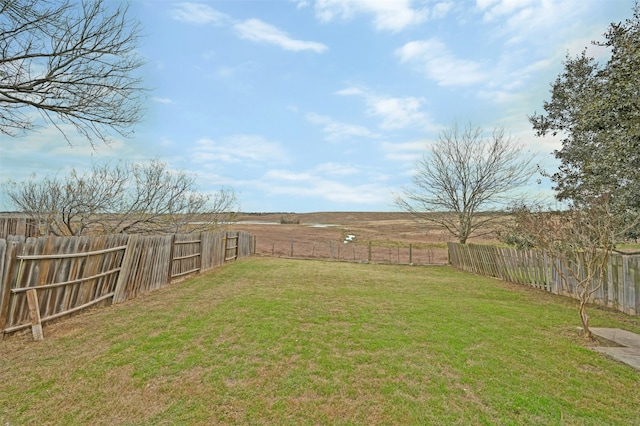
{"x":629,"y":350}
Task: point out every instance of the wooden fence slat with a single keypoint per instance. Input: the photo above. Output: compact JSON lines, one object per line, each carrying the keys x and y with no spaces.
{"x":125,"y":269}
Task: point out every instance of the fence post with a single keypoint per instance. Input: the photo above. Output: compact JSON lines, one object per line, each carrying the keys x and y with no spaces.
{"x":410,"y":254}
{"x":171,"y":254}
{"x":34,"y":314}
{"x":225,"y":240}
{"x":369,"y":258}
{"x":202,"y":253}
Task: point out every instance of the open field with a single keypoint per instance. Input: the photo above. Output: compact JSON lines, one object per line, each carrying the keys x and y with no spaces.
{"x":390,"y":233}
{"x":275,"y":341}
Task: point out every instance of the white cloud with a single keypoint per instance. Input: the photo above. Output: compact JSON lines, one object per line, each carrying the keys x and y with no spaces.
{"x":246,"y":149}
{"x":286,"y":175}
{"x":336,"y":131}
{"x":251,"y":29}
{"x":45,"y":152}
{"x":301,"y":4}
{"x":496,"y":9}
{"x":162,"y":100}
{"x":395,"y":113}
{"x":351,"y":91}
{"x":524,"y":21}
{"x":406,"y":152}
{"x":198,"y":13}
{"x":434,"y":59}
{"x":393,"y":15}
{"x":261,"y":32}
{"x":308,"y":184}
{"x":335,"y":169}
{"x":441,"y":10}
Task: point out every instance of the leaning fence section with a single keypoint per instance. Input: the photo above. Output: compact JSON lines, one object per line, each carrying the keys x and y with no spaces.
{"x":621,"y":289}
{"x":59,"y":276}
{"x":49,"y":277}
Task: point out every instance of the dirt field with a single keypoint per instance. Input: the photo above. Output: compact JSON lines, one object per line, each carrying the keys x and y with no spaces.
{"x":383,"y":237}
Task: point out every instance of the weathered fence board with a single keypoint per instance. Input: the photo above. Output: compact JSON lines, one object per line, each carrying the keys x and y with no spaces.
{"x":620,"y":291}
{"x":186,"y":257}
{"x":18,"y":226}
{"x":61,"y":275}
{"x":211,"y":250}
{"x":65,"y":272}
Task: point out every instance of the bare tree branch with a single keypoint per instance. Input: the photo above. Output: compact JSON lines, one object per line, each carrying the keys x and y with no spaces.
{"x":73,"y":63}
{"x":465,"y":176}
{"x":579,"y":242}
{"x":142,"y":198}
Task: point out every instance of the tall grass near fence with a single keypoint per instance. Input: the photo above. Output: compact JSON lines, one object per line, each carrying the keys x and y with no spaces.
{"x":621,"y":289}
{"x":49,"y":277}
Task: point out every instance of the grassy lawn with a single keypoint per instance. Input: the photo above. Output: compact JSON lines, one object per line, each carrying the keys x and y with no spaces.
{"x":273,"y":341}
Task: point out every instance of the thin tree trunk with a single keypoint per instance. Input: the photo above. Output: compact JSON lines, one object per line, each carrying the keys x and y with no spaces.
{"x":585,"y":319}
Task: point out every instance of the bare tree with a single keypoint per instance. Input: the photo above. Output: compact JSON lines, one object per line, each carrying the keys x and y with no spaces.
{"x":463,"y":178}
{"x":579,"y":242}
{"x":73,"y":63}
{"x":125,"y":198}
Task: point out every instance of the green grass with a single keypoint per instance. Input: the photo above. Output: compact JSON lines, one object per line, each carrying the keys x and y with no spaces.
{"x":272,"y":341}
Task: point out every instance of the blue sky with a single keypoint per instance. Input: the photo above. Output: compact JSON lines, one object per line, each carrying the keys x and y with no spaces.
{"x":325,"y":105}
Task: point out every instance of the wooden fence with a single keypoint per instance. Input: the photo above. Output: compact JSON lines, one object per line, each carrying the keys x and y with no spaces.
{"x":49,"y":277}
{"x":621,"y":290}
{"x":402,"y":253}
{"x":13,"y":225}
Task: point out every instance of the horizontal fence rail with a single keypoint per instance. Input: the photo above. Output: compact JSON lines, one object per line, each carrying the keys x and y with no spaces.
{"x":621,"y":289}
{"x":49,"y":277}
